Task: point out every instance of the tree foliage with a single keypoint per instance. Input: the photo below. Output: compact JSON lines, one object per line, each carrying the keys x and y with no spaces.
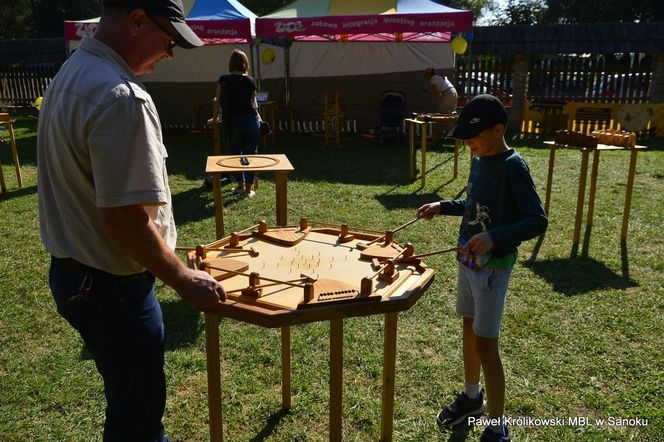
{"x":528,"y":12}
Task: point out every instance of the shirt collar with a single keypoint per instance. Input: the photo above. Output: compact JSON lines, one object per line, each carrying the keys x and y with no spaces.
{"x":102,"y":50}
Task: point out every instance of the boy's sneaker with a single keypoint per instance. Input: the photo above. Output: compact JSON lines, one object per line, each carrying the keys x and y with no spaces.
{"x":462,"y":408}
{"x":491,"y":436}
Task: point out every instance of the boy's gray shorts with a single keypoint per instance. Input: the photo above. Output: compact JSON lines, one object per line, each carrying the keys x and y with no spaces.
{"x":481,"y":296}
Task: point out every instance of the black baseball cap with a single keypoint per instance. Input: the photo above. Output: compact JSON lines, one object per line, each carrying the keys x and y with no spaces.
{"x":480,"y":113}
{"x":173,"y":10}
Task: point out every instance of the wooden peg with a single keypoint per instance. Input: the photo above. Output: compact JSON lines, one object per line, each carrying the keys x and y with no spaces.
{"x":235,"y":240}
{"x":344,"y":236}
{"x":304,"y":224}
{"x":308,"y":292}
{"x":366,"y":286}
{"x":252,"y":290}
{"x":389,"y":237}
{"x":389,"y":273}
{"x":200,"y":251}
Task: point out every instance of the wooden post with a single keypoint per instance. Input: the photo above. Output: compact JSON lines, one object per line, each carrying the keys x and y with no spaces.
{"x":423,"y":148}
{"x":213,"y":376}
{"x":411,"y":150}
{"x":285,"y":368}
{"x":579,"y":201}
{"x":457,"y":148}
{"x":549,"y":178}
{"x":626,"y":210}
{"x":3,"y":186}
{"x":336,"y":377}
{"x":281,"y":188}
{"x":389,"y":364}
{"x":591,"y":204}
{"x":218,"y":205}
{"x":12,"y":141}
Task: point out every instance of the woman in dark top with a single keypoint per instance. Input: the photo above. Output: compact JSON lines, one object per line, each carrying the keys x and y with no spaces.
{"x":240,"y":121}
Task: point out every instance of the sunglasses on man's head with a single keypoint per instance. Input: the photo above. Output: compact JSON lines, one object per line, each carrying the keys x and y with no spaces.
{"x":166,"y":32}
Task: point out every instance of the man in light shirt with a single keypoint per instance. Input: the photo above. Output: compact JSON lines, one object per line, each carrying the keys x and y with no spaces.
{"x":105,"y":208}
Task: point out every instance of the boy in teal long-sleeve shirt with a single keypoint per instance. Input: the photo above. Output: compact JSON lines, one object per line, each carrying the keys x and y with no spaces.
{"x":501,"y":209}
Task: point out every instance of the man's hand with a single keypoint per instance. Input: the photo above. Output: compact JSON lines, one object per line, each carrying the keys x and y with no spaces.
{"x":428,"y":211}
{"x":200,"y":289}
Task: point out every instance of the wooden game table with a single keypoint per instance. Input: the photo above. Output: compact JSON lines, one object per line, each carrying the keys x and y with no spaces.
{"x":279,"y":164}
{"x":423,"y":122}
{"x":286,"y":276}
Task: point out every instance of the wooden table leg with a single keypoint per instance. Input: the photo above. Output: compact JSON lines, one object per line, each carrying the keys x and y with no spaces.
{"x":579,"y":201}
{"x":218,"y":205}
{"x":389,"y":364}
{"x":626,"y":210}
{"x":457,"y":148}
{"x":17,"y":165}
{"x":549,"y":179}
{"x":285,"y":368}
{"x":213,"y":376}
{"x":423,"y":149}
{"x":411,"y":150}
{"x":591,"y":204}
{"x":336,"y":377}
{"x":3,"y":186}
{"x":281,"y":184}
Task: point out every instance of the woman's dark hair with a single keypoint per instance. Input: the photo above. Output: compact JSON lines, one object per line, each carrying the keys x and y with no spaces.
{"x":238,"y":62}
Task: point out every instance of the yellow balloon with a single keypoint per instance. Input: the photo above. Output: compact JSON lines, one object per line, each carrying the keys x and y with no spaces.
{"x":459,"y":45}
{"x":38,"y":102}
{"x":268,"y":55}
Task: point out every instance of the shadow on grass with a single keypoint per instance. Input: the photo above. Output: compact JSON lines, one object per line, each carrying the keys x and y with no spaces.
{"x":407,"y":201}
{"x":17,"y":192}
{"x":571,"y":277}
{"x":270,"y":425}
{"x":458,"y":433}
{"x":197,"y":204}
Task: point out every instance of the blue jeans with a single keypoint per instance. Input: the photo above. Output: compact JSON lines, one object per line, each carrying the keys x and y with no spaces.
{"x":121,"y":323}
{"x":244,"y":134}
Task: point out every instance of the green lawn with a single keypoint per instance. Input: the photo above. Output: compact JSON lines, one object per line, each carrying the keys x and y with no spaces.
{"x":578,"y":339}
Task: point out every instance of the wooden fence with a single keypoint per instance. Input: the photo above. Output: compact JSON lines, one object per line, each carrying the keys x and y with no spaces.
{"x":20,"y":86}
{"x":615,"y":78}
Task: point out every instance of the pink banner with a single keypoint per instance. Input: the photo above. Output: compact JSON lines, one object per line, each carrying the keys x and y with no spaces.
{"x":364,"y":24}
{"x":217,"y":30}
{"x":208,"y":30}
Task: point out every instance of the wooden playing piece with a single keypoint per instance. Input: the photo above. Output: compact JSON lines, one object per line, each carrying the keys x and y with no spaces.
{"x":344,"y":236}
{"x":233,"y":265}
{"x":389,"y":274}
{"x":287,"y":236}
{"x":379,"y":252}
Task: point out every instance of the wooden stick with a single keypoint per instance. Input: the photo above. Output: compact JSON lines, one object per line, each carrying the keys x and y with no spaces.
{"x":422,"y":255}
{"x":262,"y":286}
{"x":394,"y":231}
{"x":262,"y":277}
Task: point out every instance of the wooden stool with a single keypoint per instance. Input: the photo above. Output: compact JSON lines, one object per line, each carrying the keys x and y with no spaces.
{"x":5,"y":119}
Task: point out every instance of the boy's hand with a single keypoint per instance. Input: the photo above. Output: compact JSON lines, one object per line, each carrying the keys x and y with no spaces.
{"x":479,"y":244}
{"x":428,"y":211}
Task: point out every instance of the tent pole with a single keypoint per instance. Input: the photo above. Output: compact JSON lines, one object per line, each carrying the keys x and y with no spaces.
{"x":258,"y":65}
{"x":287,"y":85}
{"x":251,"y":58}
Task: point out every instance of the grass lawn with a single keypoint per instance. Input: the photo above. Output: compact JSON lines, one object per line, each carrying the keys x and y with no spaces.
{"x":578,"y":339}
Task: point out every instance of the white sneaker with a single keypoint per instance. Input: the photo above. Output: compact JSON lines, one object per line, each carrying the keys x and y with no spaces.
{"x":250,"y":194}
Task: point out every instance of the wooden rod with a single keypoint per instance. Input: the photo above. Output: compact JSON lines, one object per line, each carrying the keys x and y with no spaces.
{"x":422,"y":255}
{"x":262,"y":277}
{"x":262,"y":286}
{"x":395,"y":230}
